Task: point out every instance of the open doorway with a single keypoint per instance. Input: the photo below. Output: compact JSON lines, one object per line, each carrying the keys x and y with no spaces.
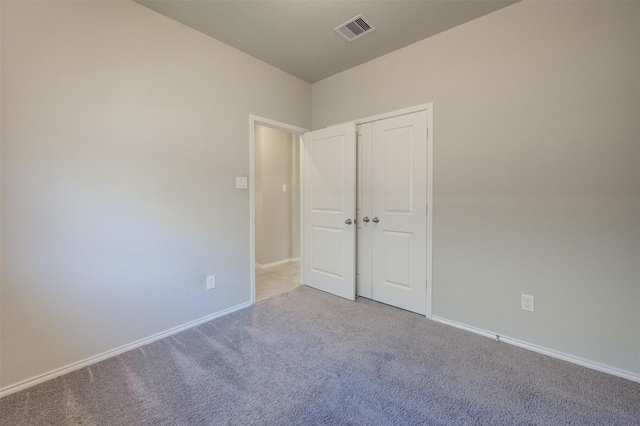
{"x":276,"y":220}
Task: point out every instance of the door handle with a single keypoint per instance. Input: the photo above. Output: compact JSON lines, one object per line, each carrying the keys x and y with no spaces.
{"x":365,"y":219}
{"x":348,"y":221}
{"x":375,"y":220}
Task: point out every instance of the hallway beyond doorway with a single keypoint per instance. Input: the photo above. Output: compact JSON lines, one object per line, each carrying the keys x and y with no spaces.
{"x":277,"y":279}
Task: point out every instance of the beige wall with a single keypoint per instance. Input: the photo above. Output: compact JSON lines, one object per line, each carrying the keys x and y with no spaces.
{"x":536,"y":169}
{"x":274,"y":209}
{"x":122,"y":134}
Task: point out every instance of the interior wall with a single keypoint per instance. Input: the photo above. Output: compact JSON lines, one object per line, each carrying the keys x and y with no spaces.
{"x":274,"y":208}
{"x":536,"y":169}
{"x":122,"y":134}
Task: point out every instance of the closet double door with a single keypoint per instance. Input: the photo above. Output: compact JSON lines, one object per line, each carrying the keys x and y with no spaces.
{"x":365,"y":207}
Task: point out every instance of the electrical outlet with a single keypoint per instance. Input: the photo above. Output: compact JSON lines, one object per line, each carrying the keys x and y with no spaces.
{"x":527,"y":303}
{"x":211,"y":282}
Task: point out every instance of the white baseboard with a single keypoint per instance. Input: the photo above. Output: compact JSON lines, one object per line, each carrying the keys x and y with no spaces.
{"x":545,"y":351}
{"x":279,"y":262}
{"x":113,"y":352}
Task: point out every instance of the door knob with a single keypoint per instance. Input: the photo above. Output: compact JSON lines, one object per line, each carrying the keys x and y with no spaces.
{"x":348,"y":222}
{"x":365,"y":219}
{"x":375,"y":220}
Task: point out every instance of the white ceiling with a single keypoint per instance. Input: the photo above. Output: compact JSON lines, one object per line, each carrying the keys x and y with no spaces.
{"x":297,"y":36}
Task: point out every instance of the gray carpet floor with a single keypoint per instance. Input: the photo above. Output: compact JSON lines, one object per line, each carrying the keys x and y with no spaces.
{"x":309,"y":358}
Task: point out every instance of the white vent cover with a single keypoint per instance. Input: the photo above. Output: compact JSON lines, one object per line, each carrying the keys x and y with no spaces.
{"x":354,"y":28}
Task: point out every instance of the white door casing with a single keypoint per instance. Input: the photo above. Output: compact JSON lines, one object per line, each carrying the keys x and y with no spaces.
{"x":399,"y":211}
{"x":329,"y":188}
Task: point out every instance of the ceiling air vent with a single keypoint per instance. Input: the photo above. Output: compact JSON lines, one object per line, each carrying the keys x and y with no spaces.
{"x":354,"y":28}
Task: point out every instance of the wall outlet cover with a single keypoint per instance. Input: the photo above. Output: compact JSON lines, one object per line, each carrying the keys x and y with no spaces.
{"x":527,"y":303}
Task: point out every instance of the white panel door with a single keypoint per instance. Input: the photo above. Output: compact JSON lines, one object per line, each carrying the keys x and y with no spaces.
{"x":399,"y":211}
{"x":363,"y":233}
{"x":329,"y":191}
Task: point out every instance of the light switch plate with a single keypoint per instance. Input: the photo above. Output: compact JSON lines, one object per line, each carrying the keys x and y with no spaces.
{"x":211,"y":282}
{"x":241,"y":182}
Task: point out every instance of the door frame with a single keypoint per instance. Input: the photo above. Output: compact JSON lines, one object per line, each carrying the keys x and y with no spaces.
{"x":299,"y":131}
{"x":428,"y":107}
